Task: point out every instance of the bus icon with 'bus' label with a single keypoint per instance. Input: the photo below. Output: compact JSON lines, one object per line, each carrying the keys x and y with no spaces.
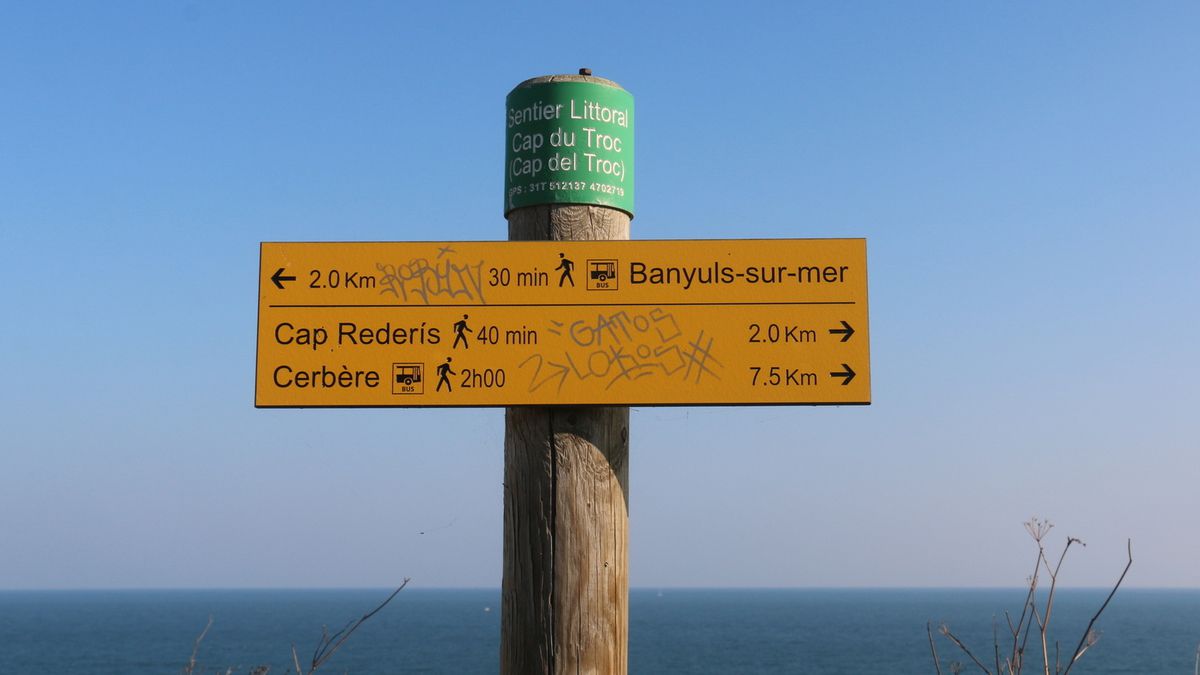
{"x":602,"y":275}
{"x":407,"y":378}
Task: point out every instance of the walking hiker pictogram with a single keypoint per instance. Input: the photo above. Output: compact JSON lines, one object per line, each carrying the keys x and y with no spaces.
{"x":460,"y":333}
{"x":444,"y":372}
{"x":566,"y":266}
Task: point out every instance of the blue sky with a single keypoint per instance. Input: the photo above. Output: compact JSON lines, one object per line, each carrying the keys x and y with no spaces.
{"x":1026,"y":176}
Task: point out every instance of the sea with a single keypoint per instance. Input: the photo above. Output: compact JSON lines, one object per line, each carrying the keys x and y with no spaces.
{"x":851,"y":631}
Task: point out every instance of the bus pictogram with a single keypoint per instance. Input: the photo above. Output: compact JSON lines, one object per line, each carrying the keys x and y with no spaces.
{"x":602,"y":275}
{"x":407,"y":379}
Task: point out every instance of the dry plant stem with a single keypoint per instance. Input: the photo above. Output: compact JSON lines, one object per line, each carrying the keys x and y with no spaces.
{"x":1037,"y":529}
{"x":1031,"y":615}
{"x":996,"y":642}
{"x":1018,"y":651}
{"x":1050,"y":600}
{"x":324,"y":651}
{"x":1016,"y":631}
{"x":1025,"y":640}
{"x":1081,"y":648}
{"x":954,"y":638}
{"x":937,"y":664}
{"x":1042,"y":632}
{"x":1043,"y":620}
{"x":191,"y":666}
{"x":331,"y":643}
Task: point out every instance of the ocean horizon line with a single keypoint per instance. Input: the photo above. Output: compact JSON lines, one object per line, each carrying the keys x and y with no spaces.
{"x":497,"y":589}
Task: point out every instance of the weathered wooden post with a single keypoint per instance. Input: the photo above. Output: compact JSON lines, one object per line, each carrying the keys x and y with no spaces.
{"x":566,"y":470}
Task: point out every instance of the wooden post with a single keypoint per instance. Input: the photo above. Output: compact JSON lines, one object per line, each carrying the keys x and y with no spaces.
{"x":565,"y":594}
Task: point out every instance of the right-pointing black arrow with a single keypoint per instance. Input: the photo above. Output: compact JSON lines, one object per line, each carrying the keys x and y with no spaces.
{"x":845,"y":331}
{"x":848,"y":374}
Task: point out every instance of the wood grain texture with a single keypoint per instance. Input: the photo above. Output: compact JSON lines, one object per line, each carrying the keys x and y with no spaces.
{"x":566,"y":539}
{"x":565,"y":593}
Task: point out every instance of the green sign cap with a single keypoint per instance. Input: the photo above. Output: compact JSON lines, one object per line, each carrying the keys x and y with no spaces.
{"x":568,"y":140}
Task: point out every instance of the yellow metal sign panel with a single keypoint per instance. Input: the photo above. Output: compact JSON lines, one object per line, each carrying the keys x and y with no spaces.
{"x":712,"y":322}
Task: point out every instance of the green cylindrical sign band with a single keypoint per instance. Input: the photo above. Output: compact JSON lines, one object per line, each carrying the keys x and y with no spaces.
{"x":568,"y":142}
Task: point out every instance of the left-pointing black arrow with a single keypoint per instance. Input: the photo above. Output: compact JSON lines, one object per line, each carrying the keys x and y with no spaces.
{"x":848,"y":374}
{"x":279,"y":278}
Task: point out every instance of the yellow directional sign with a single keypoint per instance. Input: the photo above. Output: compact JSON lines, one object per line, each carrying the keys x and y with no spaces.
{"x":713,"y":322}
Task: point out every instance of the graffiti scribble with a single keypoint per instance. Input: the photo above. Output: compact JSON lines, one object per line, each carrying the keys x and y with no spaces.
{"x":625,"y":345}
{"x":419,"y":281}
